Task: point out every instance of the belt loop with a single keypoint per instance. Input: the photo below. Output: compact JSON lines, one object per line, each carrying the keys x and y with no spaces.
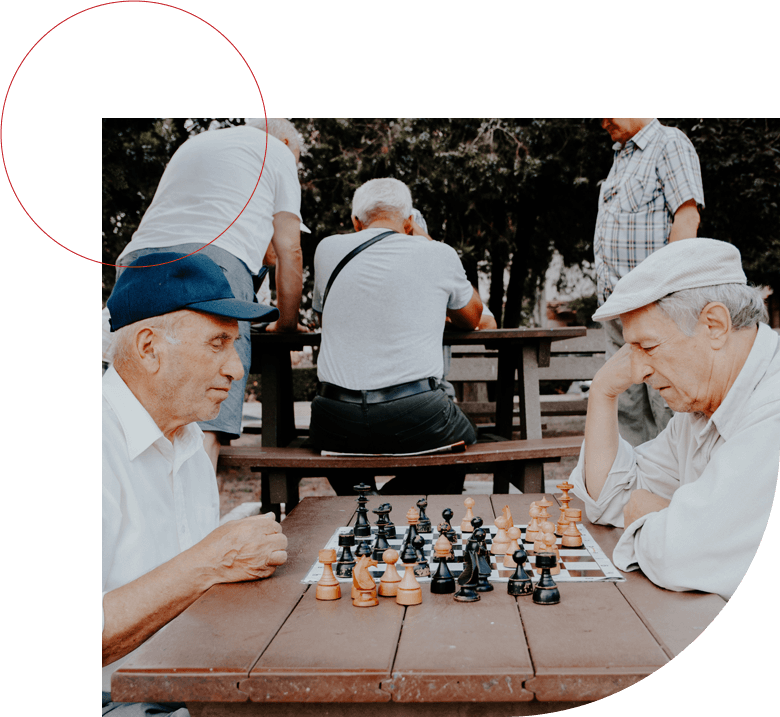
{"x":433,"y":383}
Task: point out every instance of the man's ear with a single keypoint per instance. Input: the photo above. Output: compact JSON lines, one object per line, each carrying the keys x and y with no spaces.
{"x":408,"y":226}
{"x":146,"y":346}
{"x":357,"y":224}
{"x":717,"y":321}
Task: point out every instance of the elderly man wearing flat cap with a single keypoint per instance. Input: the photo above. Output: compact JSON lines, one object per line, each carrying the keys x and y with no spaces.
{"x":176,"y":327}
{"x":695,"y":500}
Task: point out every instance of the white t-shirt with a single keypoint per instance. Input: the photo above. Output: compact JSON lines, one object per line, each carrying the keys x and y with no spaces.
{"x":159,"y":499}
{"x":207,"y":183}
{"x":385,"y":313}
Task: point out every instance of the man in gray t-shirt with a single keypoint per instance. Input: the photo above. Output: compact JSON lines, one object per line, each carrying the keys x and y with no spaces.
{"x":381,"y":356}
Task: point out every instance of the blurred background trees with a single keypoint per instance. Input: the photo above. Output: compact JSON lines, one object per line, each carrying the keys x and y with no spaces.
{"x":506,"y":193}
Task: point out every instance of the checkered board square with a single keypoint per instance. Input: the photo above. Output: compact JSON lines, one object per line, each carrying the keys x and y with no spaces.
{"x":587,"y":563}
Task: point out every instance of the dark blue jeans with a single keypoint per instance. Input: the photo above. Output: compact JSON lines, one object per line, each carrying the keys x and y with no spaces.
{"x":416,"y":423}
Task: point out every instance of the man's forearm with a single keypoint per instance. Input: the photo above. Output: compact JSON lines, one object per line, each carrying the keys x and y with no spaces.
{"x":686,"y":221}
{"x":601,"y":440}
{"x":289,"y":282}
{"x":134,"y":612}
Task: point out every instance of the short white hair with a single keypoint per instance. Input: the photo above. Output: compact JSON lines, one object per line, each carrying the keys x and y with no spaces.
{"x":121,"y":350}
{"x":745,"y":305}
{"x":382,"y":197}
{"x":282,"y":129}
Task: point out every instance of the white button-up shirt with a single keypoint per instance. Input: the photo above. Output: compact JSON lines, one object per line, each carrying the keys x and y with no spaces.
{"x":720,"y":475}
{"x":159,"y":498}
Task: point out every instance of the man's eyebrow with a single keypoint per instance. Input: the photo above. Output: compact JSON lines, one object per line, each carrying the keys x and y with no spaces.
{"x":224,"y":335}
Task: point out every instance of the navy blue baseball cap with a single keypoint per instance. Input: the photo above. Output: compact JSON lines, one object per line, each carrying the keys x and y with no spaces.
{"x":193,"y":282}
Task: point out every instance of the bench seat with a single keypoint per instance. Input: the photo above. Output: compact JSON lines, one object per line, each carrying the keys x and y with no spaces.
{"x":282,"y":468}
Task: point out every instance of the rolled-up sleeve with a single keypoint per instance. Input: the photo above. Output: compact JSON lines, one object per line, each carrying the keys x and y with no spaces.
{"x":653,"y":466}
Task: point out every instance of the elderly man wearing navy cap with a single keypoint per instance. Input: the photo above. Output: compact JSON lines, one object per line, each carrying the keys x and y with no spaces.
{"x":232,"y":194}
{"x":694,"y":501}
{"x":176,"y":327}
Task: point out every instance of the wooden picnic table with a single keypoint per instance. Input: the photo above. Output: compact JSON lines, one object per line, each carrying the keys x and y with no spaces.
{"x":521,"y":352}
{"x":270,"y":648}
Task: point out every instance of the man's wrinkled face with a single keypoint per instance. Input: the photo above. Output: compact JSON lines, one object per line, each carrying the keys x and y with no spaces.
{"x":196,"y":373}
{"x":680,"y":367}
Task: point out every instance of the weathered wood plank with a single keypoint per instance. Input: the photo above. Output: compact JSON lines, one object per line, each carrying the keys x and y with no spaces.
{"x":305,"y":459}
{"x":675,"y":619}
{"x":329,"y":651}
{"x":205,"y":651}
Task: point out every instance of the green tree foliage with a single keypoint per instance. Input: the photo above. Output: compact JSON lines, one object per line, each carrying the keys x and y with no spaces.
{"x":505,"y":193}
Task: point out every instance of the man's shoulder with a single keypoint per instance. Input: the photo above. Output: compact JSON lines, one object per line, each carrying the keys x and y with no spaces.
{"x":241,"y":136}
{"x":667,"y":136}
{"x":339,"y":243}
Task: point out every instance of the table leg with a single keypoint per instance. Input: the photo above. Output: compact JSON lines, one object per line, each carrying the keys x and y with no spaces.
{"x":505,"y":390}
{"x":527,"y":476}
{"x":276,"y":397}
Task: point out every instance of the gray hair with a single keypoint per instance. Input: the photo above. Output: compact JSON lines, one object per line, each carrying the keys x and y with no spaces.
{"x":121,"y":350}
{"x":282,"y":129}
{"x":744,"y":303}
{"x":379,"y":197}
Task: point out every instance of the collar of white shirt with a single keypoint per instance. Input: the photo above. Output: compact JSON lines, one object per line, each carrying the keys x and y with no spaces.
{"x":728,"y":418}
{"x":139,"y":427}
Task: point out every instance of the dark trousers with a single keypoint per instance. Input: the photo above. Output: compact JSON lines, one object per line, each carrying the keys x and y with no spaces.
{"x":416,"y":423}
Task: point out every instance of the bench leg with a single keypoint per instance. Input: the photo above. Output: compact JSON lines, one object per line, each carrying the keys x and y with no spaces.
{"x":533,"y":477}
{"x":526,"y":476}
{"x":273,"y":491}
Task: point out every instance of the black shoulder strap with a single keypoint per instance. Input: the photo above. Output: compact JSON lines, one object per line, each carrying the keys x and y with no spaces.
{"x":348,"y":258}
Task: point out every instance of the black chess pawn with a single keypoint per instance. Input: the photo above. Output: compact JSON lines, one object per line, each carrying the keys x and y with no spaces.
{"x":443,"y":582}
{"x":362,"y":526}
{"x":546,"y":591}
{"x":469,"y":578}
{"x":382,"y":521}
{"x":520,"y":583}
{"x":446,"y":528}
{"x":483,"y":562}
{"x":386,"y":509}
{"x":380,"y":545}
{"x":363,"y":548}
{"x":423,"y":522}
{"x":423,"y":570}
{"x":408,"y":553}
{"x":411,"y":534}
{"x":345,"y":563}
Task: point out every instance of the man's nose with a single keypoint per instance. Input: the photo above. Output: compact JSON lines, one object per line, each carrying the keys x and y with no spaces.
{"x":233,"y":368}
{"x":641,"y":370}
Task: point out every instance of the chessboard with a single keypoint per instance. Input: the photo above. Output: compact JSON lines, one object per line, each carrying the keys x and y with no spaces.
{"x":587,"y":563}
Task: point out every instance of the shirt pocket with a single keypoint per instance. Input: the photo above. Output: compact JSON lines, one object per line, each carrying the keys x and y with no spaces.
{"x":637,"y":193}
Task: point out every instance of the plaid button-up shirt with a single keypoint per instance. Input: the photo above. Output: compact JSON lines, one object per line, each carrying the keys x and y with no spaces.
{"x":655,"y":172}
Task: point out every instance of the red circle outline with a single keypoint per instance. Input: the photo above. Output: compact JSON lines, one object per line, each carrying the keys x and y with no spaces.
{"x":120,"y":2}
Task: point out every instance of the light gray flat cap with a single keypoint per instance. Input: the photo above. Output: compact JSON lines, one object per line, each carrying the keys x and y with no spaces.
{"x":684,"y":264}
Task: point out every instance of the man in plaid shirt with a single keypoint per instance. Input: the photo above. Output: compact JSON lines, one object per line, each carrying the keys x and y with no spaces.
{"x":651,"y":196}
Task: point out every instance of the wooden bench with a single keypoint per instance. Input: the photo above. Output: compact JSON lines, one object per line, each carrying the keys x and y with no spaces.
{"x":474,"y":368}
{"x":282,"y":468}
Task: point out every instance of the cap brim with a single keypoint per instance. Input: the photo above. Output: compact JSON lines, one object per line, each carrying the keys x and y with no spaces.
{"x":236,"y":309}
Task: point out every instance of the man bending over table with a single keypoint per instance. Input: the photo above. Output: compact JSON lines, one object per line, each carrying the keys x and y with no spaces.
{"x":695,"y":500}
{"x":382,"y":324}
{"x":176,"y":327}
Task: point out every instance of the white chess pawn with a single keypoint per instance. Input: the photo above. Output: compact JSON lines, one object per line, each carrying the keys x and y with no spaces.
{"x":465,"y":524}
{"x":514,"y":544}
{"x":388,"y":585}
{"x":533,"y":527}
{"x":501,"y":541}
